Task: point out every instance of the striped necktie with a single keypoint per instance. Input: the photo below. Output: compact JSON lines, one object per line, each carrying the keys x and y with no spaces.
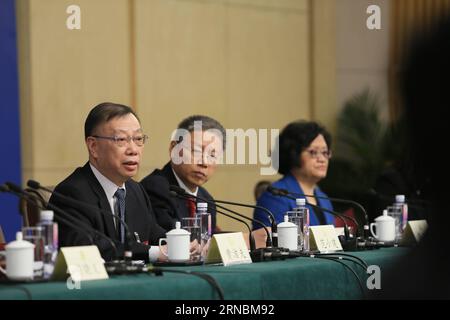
{"x":120,"y":211}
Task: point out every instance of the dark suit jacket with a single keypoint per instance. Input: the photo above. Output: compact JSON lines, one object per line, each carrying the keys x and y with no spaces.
{"x":83,"y":186}
{"x":169,"y":209}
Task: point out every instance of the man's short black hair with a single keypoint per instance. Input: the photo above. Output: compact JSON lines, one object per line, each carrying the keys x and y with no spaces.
{"x":295,"y":138}
{"x":104,"y":112}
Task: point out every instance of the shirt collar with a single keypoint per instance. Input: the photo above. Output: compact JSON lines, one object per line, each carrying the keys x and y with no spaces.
{"x":182,"y":185}
{"x":108,"y":186}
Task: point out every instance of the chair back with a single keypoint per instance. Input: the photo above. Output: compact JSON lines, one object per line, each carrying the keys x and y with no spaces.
{"x":31,"y":212}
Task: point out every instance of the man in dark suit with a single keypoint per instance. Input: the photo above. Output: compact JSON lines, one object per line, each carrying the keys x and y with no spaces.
{"x":115,"y":142}
{"x":194,"y":150}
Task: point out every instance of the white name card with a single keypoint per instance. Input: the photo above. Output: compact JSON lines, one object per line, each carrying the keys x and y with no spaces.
{"x":324,"y":239}
{"x":414,"y":231}
{"x":229,"y":248}
{"x":82,"y":263}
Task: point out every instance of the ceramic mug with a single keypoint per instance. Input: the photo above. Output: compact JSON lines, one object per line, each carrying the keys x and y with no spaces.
{"x":385,"y":228}
{"x":19,"y":259}
{"x":178,"y":242}
{"x":287,"y":234}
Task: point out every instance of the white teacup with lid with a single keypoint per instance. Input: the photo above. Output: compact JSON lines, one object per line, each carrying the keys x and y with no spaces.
{"x":287,"y":234}
{"x":19,"y":259}
{"x":178,"y":241}
{"x":385,"y":228}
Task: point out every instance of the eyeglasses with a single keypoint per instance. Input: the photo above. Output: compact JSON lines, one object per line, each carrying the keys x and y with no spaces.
{"x":123,"y":141}
{"x":197,"y":154}
{"x":316,"y":153}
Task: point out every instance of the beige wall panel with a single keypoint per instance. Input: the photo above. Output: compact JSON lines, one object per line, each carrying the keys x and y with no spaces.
{"x":268,"y":84}
{"x":269,"y":71}
{"x":236,"y":61}
{"x":361,"y":54}
{"x":323,"y":58}
{"x":181,"y":68}
{"x":271,"y":4}
{"x":70,"y":72}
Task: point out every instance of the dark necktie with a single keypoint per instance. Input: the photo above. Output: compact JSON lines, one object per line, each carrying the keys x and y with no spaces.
{"x":120,"y":211}
{"x":190,"y":203}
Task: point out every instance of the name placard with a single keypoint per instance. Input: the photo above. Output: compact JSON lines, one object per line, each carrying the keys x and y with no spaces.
{"x":82,"y":263}
{"x":229,"y":248}
{"x":324,"y":239}
{"x":414,"y":231}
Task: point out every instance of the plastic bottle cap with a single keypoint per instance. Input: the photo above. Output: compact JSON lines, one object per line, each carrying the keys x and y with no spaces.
{"x":202,"y":205}
{"x":400,"y":198}
{"x":300,"y":201}
{"x":47,"y":215}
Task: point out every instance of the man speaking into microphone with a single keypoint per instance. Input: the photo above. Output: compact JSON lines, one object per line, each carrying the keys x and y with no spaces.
{"x":115,"y":141}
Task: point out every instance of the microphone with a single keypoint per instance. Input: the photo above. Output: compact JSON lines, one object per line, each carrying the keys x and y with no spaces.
{"x":181,"y":191}
{"x":68,"y":220}
{"x":128,"y":254}
{"x":257,"y":255}
{"x":364,"y":232}
{"x":251,"y":239}
{"x":348,"y":244}
{"x":269,"y":213}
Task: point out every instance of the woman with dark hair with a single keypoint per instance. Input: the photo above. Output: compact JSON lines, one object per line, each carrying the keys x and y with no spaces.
{"x":304,"y":152}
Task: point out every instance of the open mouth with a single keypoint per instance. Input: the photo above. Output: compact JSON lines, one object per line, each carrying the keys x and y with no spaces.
{"x":131,"y":165}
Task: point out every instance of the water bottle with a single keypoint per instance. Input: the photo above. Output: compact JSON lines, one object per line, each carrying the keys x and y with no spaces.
{"x":402,"y":206}
{"x":50,"y":232}
{"x":302,"y":213}
{"x":205,"y":221}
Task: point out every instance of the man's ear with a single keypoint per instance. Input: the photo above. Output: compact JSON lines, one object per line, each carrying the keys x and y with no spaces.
{"x":92,"y":145}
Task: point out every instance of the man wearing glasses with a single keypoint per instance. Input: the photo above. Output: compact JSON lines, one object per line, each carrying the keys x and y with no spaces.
{"x":115,"y":142}
{"x":195,"y":149}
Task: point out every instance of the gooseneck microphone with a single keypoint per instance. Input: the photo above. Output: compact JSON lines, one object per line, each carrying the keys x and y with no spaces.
{"x":348,"y":244}
{"x":74,"y":202}
{"x":63,"y":217}
{"x":269,"y":214}
{"x":257,"y":255}
{"x":181,"y":191}
{"x":365,"y":228}
{"x":251,"y":239}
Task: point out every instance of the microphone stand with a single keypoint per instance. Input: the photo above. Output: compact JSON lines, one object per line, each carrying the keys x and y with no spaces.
{"x":362,"y":232}
{"x":364,"y":242}
{"x":116,"y":266}
{"x":128,"y":254}
{"x":257,"y":255}
{"x":347,"y":243}
{"x":63,"y":216}
{"x":269,"y":213}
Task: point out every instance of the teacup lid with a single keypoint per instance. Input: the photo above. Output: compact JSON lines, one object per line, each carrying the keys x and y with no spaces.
{"x":19,"y":243}
{"x":384,"y":217}
{"x":286,"y":223}
{"x":178,"y":231}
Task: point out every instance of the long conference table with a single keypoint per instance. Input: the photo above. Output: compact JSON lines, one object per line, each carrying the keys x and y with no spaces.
{"x":298,"y":279}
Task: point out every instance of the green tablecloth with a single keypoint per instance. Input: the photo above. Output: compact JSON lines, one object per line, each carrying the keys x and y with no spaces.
{"x":300,"y":278}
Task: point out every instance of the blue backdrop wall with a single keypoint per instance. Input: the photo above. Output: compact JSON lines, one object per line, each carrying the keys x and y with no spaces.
{"x":10,"y":163}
